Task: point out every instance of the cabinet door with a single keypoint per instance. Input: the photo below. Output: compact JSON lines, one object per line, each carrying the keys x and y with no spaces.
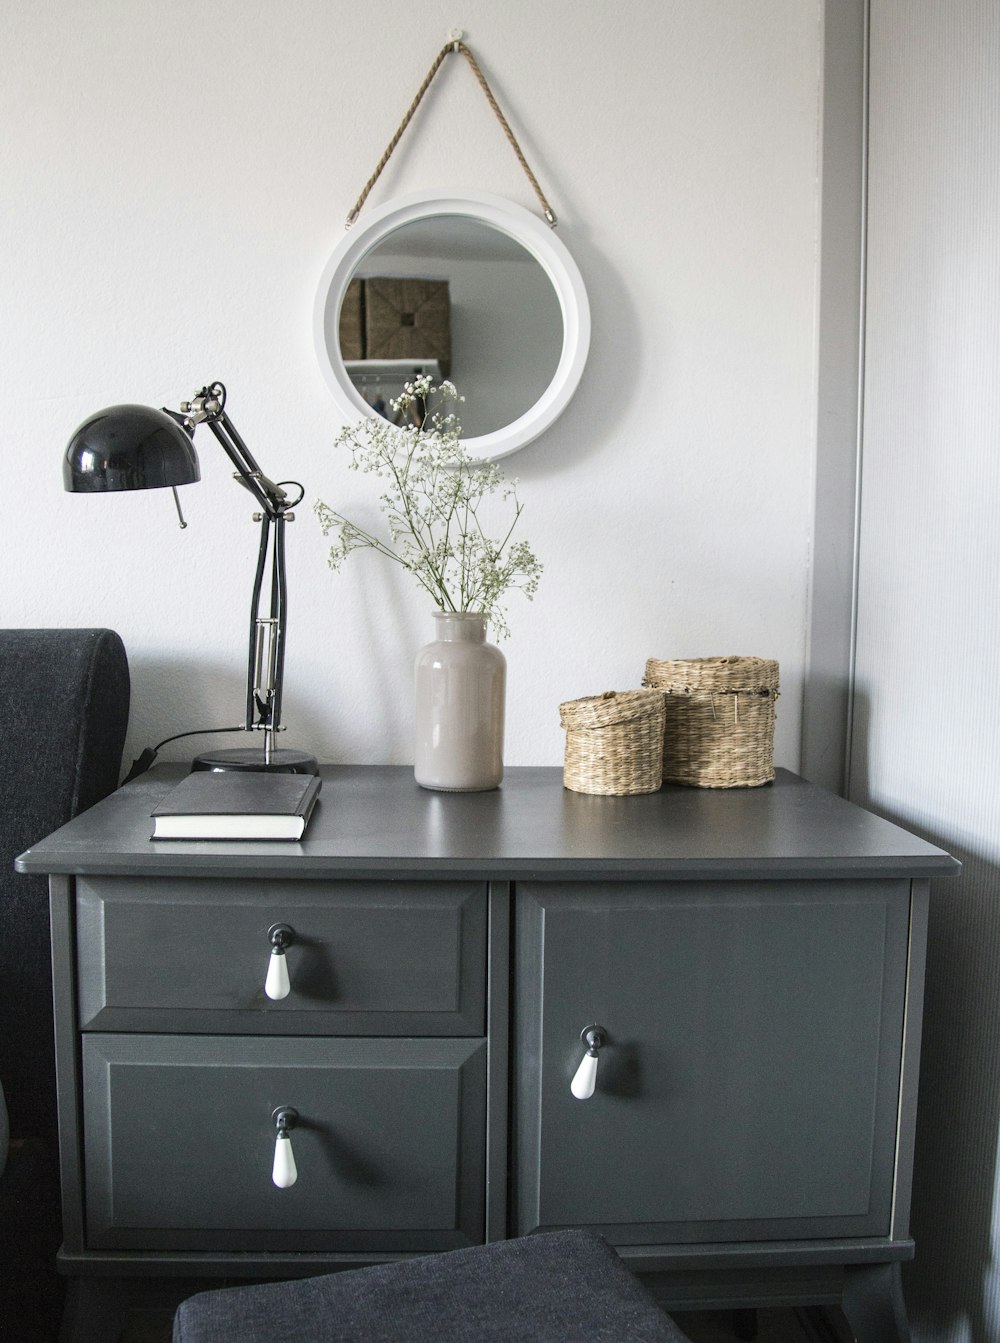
{"x":389,"y":1143}
{"x":749,"y":1085}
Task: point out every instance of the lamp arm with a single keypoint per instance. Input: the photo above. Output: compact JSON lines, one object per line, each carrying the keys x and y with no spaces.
{"x":266,"y":650}
{"x":279,"y":605}
{"x":268,"y":494}
{"x":208,"y":406}
{"x":254,"y":644}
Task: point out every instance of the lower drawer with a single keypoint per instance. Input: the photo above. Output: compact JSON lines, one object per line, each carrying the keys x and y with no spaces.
{"x":389,"y":1143}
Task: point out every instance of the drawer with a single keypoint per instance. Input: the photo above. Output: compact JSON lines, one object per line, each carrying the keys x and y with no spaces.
{"x":389,"y":1143}
{"x":368,"y":957}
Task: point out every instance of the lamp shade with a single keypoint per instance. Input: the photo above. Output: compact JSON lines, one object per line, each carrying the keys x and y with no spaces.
{"x":129,"y":448}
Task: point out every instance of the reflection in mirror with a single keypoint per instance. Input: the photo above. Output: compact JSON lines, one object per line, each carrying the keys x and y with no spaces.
{"x":456,"y":298}
{"x":470,"y":287}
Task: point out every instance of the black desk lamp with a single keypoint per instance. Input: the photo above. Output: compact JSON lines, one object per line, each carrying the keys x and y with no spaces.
{"x":139,"y":448}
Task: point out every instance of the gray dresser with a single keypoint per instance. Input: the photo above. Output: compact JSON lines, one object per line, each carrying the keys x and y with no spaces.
{"x":751,"y":961}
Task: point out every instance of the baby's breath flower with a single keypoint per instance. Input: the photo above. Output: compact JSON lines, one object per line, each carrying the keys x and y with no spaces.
{"x":432,"y":503}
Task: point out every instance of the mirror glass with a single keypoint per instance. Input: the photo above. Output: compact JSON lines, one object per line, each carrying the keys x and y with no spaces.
{"x":485,"y":315}
{"x":474,"y":289}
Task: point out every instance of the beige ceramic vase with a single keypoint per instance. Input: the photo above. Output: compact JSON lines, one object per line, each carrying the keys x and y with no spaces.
{"x":460,"y":694}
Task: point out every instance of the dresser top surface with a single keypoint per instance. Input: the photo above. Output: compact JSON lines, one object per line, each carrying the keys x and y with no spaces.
{"x":376,"y":821}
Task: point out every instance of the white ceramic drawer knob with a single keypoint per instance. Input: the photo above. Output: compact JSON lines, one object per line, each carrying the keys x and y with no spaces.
{"x":276,"y":982}
{"x":284,"y":1172}
{"x":585,"y":1078}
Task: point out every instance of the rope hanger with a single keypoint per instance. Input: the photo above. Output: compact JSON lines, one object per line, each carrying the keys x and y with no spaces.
{"x":454,"y":44}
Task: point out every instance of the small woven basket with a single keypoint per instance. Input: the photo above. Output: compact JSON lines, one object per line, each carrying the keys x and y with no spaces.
{"x":719,"y":722}
{"x":614,"y":742}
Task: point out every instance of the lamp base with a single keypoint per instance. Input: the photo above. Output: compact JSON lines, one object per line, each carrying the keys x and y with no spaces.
{"x":251,"y":759}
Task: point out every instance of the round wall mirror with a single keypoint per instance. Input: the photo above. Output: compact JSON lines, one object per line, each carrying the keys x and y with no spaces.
{"x":471,"y":288}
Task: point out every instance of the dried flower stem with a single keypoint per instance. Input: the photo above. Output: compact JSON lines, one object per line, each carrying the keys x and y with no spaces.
{"x":431,"y":505}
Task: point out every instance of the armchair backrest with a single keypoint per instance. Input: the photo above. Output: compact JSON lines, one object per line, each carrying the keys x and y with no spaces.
{"x":64,"y":701}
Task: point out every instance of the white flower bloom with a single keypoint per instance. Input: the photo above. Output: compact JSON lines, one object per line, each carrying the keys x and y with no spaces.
{"x":435,"y":507}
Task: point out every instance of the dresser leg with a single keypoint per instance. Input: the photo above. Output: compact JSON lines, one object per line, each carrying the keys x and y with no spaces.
{"x":92,"y":1313}
{"x":745,"y":1325}
{"x":104,"y":1310}
{"x":873,"y":1303}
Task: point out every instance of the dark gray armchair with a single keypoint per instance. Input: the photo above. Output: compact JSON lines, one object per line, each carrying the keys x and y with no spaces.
{"x":64,"y":700}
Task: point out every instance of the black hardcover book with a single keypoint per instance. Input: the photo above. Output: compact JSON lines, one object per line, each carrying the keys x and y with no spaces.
{"x":237,"y":804}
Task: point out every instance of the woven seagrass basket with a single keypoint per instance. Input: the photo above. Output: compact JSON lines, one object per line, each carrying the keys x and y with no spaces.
{"x":719,"y":720}
{"x":407,"y":319}
{"x":614,"y":742}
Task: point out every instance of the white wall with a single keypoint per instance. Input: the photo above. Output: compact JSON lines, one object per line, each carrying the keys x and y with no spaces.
{"x":926,"y":745}
{"x":174,"y":178}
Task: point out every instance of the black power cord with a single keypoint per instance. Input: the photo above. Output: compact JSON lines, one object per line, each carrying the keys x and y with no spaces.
{"x":149,"y":753}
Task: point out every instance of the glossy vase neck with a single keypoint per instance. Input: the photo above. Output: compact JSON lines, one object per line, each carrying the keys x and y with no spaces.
{"x":460,"y":627}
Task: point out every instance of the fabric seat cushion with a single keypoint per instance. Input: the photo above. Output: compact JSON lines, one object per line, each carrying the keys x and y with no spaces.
{"x":554,"y":1287}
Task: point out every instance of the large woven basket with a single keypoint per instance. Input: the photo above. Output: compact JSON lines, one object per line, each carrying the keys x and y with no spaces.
{"x":719,"y":721}
{"x":614,"y":742}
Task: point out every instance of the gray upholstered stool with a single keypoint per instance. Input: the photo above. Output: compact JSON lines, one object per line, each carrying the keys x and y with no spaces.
{"x":556,"y":1287}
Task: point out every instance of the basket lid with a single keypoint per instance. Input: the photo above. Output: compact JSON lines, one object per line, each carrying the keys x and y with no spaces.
{"x":614,"y":706}
{"x":752,"y":675}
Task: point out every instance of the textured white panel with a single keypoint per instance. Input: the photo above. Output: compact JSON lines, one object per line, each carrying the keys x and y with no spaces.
{"x":926,"y":745}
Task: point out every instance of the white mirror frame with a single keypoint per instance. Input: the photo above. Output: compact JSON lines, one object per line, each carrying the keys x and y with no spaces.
{"x":535,"y":236}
